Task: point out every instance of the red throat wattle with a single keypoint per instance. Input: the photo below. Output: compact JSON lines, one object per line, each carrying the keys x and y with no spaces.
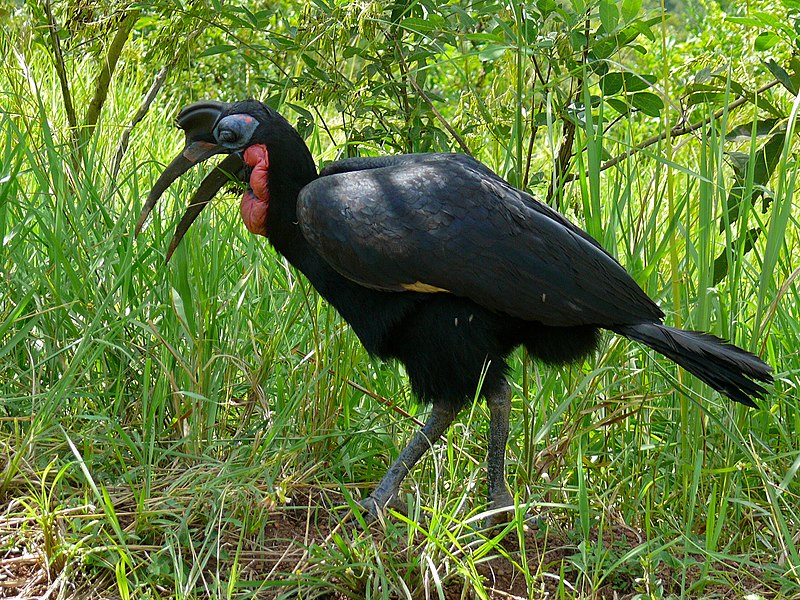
{"x":255,"y":201}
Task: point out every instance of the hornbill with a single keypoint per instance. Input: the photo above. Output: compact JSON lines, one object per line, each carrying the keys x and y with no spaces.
{"x":436,"y":261}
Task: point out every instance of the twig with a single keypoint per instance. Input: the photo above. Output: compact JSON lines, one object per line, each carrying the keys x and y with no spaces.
{"x":565,"y":152}
{"x":459,"y":140}
{"x":61,"y":71}
{"x":676,"y":131}
{"x":439,"y":117}
{"x":103,"y":80}
{"x":385,"y":401}
{"x":560,"y":177}
{"x":147,"y":101}
{"x":149,"y":97}
{"x":58,"y":58}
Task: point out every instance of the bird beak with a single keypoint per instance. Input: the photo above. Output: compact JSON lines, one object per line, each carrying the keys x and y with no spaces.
{"x":197,"y":121}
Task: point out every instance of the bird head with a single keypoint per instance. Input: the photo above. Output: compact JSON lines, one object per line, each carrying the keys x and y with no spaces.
{"x":247,"y":131}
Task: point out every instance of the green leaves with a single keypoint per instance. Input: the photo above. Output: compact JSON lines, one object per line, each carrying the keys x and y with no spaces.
{"x":753,"y":172}
{"x":609,"y":15}
{"x":765,"y":41}
{"x":623,"y":91}
{"x":790,"y":82}
{"x":630,"y":10}
{"x":218,"y":49}
{"x":647,"y":102}
{"x":616,"y":82}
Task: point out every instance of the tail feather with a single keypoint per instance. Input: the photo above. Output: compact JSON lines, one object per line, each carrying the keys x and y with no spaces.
{"x":725,"y":367}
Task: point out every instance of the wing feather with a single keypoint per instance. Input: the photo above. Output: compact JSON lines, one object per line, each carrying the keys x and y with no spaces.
{"x":446,"y":222}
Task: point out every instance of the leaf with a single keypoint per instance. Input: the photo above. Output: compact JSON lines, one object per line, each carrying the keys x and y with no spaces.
{"x":546,"y":7}
{"x":605,"y":47}
{"x":309,"y":60}
{"x":647,"y":102}
{"x":781,"y":75}
{"x":630,"y":10}
{"x":766,"y":161}
{"x":23,"y":329}
{"x":301,"y":111}
{"x":609,"y":15}
{"x":530,"y":31}
{"x":749,"y":21}
{"x":540,"y":119}
{"x":721,"y":262}
{"x":645,"y":28}
{"x":744,"y":132}
{"x":484,"y":37}
{"x":492,"y":52}
{"x":703,"y":75}
{"x":418,"y":25}
{"x":183,"y":316}
{"x":611,"y":83}
{"x":765,"y":41}
{"x":465,"y":20}
{"x":618,"y":105}
{"x":794,"y":63}
{"x":739,"y":162}
{"x":634,"y":82}
{"x":219,"y":49}
{"x":638,"y":48}
{"x":351,"y":51}
{"x":694,"y":88}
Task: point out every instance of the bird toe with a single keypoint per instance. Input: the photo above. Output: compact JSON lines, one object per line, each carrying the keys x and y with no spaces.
{"x":500,"y":509}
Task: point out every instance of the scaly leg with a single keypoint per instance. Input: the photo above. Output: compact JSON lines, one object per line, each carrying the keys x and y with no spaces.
{"x":440,"y":419}
{"x":499,"y":405}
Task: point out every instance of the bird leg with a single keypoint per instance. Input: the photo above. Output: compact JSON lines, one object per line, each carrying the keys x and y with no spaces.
{"x":386,"y":491}
{"x":499,"y":404}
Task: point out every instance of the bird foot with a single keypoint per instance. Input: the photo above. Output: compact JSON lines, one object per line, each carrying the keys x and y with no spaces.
{"x":499,"y":515}
{"x":372,"y":508}
{"x":501,"y":511}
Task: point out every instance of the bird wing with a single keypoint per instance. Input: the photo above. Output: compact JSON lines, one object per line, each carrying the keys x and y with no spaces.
{"x":447,"y":223}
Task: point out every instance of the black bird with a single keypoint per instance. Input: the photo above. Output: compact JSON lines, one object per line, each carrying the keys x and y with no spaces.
{"x":436,"y":261}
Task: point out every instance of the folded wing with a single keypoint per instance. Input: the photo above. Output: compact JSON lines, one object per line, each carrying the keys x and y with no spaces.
{"x":445,"y":222}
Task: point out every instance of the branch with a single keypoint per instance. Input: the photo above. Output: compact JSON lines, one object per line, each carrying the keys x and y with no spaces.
{"x":391,"y":405}
{"x":140,"y":114}
{"x":103,"y":80}
{"x":459,"y":140}
{"x":560,"y":175}
{"x":58,"y":58}
{"x":439,"y":117}
{"x":144,"y":107}
{"x":676,"y":131}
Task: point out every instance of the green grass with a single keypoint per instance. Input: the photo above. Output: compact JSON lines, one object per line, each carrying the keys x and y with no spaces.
{"x":199,"y":429}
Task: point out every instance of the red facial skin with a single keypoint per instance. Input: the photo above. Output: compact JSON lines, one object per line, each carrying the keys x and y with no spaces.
{"x":255,"y":201}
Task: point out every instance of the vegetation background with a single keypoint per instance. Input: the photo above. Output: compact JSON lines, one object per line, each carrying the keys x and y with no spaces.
{"x":200,"y":429}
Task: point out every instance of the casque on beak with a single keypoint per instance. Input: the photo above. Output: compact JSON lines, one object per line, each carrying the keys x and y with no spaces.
{"x":197,"y":121}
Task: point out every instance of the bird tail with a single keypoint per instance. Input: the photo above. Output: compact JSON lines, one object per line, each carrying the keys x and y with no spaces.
{"x":725,"y":367}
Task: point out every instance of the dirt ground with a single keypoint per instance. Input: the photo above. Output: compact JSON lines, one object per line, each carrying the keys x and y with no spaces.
{"x":277,"y":562}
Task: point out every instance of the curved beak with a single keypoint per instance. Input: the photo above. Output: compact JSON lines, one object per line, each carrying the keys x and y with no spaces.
{"x":232,"y":167}
{"x":197,"y":120}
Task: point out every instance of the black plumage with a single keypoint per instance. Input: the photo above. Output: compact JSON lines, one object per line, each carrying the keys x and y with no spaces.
{"x":439,"y":263}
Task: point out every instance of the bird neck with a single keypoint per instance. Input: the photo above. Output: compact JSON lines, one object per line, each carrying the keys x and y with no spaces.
{"x":291,"y":169}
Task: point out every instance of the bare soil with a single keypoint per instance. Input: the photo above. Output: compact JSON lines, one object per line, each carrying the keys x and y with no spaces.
{"x":285,"y":553}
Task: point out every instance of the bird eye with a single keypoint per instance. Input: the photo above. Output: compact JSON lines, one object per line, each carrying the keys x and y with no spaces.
{"x":226,"y":136}
{"x":235,"y":131}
